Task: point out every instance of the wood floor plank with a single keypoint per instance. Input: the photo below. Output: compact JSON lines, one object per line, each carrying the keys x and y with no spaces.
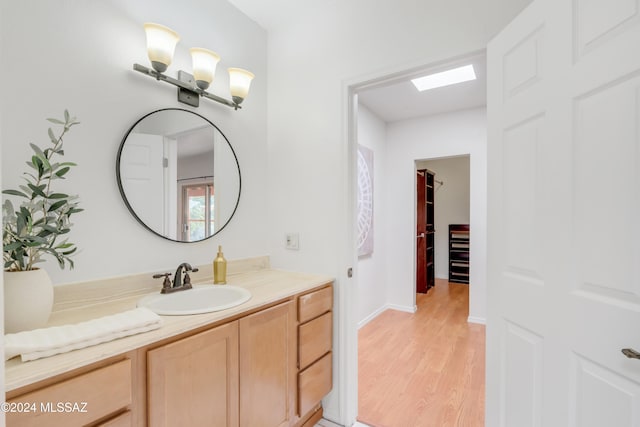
{"x":424,"y":369}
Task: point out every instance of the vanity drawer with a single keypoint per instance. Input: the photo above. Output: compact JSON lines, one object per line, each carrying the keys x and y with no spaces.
{"x":314,"y":304}
{"x":314,"y":383}
{"x":76,"y":401}
{"x":314,"y":339}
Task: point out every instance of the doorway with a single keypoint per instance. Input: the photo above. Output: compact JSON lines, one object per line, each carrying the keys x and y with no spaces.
{"x":403,"y":143}
{"x":446,"y":211}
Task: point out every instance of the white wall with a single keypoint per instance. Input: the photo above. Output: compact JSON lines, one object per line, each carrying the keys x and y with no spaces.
{"x":195,"y":166}
{"x":312,"y":62}
{"x":78,"y":54}
{"x":451,"y":204}
{"x":445,"y":135}
{"x":372,"y":288}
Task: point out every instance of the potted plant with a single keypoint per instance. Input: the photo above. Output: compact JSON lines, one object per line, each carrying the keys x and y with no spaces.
{"x":34,"y":230}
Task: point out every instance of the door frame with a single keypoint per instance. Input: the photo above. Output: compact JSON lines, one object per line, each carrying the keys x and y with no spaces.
{"x":347,"y":359}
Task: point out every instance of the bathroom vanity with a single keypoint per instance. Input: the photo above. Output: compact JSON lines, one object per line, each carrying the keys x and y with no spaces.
{"x":267,"y":362}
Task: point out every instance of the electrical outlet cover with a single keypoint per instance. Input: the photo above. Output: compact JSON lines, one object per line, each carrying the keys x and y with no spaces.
{"x":292,"y":241}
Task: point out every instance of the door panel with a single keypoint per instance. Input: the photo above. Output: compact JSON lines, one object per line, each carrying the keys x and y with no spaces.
{"x":142,"y":175}
{"x":522,"y":377}
{"x":521,"y":199}
{"x":564,"y":203}
{"x":607,"y":141}
{"x":593,"y":384}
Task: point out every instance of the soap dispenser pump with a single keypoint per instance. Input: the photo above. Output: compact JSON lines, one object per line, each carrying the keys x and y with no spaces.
{"x":219,"y":268}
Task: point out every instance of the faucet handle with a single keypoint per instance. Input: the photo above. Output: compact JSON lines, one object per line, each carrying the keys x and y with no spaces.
{"x":187,"y":279}
{"x":166,"y":284}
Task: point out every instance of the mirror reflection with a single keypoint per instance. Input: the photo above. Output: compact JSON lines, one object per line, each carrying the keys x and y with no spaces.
{"x":178,"y":175}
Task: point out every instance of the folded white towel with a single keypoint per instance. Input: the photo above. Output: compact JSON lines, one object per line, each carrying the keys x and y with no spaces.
{"x":46,"y":342}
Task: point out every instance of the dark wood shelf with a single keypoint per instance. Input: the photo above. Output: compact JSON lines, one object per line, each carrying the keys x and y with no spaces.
{"x":425,"y":266}
{"x":459,"y":253}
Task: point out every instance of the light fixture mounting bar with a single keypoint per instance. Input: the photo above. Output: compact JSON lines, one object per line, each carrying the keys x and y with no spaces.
{"x":184,"y":86}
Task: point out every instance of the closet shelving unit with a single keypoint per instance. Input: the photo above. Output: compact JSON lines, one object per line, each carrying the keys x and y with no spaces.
{"x":459,"y":253}
{"x":430,"y":230}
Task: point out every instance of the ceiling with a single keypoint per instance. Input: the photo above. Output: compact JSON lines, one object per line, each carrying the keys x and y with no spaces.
{"x":273,"y":14}
{"x":393,"y":100}
{"x":400,"y":100}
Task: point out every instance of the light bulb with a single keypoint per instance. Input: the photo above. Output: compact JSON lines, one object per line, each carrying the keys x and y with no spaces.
{"x":239,"y":82}
{"x":204,"y":66}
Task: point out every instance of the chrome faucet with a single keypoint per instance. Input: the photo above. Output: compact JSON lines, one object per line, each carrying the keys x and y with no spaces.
{"x":179,"y":283}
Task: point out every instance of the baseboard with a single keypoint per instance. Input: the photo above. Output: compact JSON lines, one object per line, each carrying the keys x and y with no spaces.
{"x":372,"y":316}
{"x":405,"y":308}
{"x":326,"y":423}
{"x":382,"y":309}
{"x":478,"y":320}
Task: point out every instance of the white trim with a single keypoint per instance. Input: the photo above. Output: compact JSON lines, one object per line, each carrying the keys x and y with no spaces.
{"x":478,"y":320}
{"x":372,"y":316}
{"x":326,"y":423}
{"x":341,"y":404}
{"x":384,"y":308}
{"x":347,"y":333}
{"x":405,"y":308}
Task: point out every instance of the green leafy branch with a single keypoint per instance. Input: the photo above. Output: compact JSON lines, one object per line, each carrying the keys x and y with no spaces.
{"x":35,"y":228}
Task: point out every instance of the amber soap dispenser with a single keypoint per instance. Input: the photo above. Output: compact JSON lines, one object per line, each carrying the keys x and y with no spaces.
{"x":219,"y":268}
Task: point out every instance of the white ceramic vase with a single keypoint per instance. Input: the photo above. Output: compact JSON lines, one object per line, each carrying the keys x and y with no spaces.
{"x":28,"y":300}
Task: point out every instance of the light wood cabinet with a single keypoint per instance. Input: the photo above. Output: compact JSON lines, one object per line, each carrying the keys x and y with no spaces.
{"x":268,"y":367}
{"x":315,"y":373}
{"x":314,"y":304}
{"x":81,"y":400}
{"x":314,"y":383}
{"x":194,"y":381}
{"x":315,"y":339}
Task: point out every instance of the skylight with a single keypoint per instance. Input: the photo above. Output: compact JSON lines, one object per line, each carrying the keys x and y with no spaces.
{"x":445,"y":78}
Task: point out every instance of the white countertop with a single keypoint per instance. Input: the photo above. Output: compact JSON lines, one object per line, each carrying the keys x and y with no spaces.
{"x":266,"y":285}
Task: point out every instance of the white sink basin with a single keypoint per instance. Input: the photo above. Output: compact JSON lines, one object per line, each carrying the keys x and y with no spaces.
{"x":200,"y":299}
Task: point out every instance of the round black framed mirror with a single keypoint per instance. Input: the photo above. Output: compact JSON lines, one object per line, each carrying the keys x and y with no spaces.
{"x":178,"y":175}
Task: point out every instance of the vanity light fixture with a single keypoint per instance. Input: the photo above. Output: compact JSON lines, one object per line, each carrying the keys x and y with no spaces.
{"x":161,"y":44}
{"x":445,"y":78}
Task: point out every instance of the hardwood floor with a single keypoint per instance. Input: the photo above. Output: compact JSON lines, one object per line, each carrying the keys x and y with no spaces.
{"x":424,"y":369}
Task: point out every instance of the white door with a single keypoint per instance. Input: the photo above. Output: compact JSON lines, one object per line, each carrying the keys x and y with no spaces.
{"x":142,"y":169}
{"x":564,"y":216}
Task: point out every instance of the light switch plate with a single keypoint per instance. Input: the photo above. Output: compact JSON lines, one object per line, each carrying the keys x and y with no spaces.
{"x":292,"y":241}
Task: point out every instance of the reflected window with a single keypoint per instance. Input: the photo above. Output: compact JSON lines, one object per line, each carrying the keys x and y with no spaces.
{"x":198,"y":211}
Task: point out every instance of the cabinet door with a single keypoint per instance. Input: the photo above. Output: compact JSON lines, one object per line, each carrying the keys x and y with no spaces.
{"x":194,"y":381}
{"x":268,"y":367}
